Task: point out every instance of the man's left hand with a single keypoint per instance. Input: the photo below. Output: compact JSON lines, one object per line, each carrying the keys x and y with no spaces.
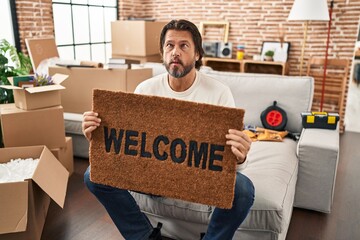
{"x":240,"y":144}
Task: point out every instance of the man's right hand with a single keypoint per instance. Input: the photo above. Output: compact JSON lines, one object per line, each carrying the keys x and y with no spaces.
{"x":90,"y":122}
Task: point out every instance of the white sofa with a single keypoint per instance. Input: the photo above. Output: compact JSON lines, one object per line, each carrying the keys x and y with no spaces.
{"x":285,"y":174}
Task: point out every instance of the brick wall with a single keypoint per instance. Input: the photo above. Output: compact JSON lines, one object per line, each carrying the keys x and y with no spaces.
{"x":35,"y":19}
{"x":133,"y":8}
{"x":251,"y":23}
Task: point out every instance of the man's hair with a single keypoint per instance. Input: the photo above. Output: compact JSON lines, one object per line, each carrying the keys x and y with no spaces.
{"x":184,"y":25}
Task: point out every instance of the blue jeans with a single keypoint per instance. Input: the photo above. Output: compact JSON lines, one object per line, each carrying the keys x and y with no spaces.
{"x":134,"y":225}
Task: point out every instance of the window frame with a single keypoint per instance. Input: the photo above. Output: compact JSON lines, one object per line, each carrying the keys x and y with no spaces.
{"x":90,"y":43}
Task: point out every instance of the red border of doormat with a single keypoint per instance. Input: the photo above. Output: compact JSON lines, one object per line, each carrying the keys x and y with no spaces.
{"x":165,"y":147}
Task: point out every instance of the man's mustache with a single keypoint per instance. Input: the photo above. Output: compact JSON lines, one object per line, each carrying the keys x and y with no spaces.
{"x":176,"y":60}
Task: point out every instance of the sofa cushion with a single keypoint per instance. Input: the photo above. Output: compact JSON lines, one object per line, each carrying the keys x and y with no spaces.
{"x":272,"y":167}
{"x":73,"y":129}
{"x":257,"y":91}
{"x":73,"y":123}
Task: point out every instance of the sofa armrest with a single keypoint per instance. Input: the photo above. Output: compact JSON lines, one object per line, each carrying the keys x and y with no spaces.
{"x":318,"y":153}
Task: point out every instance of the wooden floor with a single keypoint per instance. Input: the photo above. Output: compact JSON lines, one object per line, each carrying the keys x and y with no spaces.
{"x":83,"y":218}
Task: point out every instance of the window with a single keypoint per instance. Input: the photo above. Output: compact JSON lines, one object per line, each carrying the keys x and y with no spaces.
{"x":7,"y":15}
{"x":83,"y":28}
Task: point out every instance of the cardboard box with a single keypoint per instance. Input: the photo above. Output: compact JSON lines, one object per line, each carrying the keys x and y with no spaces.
{"x":41,"y":49}
{"x":77,"y":97}
{"x":136,"y":38}
{"x":137,"y":59}
{"x":30,"y":128}
{"x":65,"y":155}
{"x":36,"y":97}
{"x":24,"y":204}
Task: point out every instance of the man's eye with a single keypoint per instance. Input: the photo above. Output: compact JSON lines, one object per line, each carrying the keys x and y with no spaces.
{"x":185,"y":45}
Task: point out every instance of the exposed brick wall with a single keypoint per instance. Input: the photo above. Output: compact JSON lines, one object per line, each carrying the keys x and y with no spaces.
{"x":35,"y":19}
{"x":134,"y":8}
{"x":251,"y":23}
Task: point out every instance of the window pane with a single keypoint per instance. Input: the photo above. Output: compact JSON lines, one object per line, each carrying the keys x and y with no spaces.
{"x":98,"y":52}
{"x":81,"y":24}
{"x":61,"y":1}
{"x":80,"y":1}
{"x":110,"y":16}
{"x":97,"y":24}
{"x":108,"y":52}
{"x":6,"y":23}
{"x":110,"y":3}
{"x":62,"y":24}
{"x":66,"y":53}
{"x":82,"y":52}
{"x":96,"y":2}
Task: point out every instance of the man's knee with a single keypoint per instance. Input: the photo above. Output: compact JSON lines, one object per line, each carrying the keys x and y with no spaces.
{"x":87,"y":181}
{"x":99,"y":189}
{"x":244,"y":190}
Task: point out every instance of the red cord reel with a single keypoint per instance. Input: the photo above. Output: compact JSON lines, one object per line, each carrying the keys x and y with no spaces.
{"x":274,"y":118}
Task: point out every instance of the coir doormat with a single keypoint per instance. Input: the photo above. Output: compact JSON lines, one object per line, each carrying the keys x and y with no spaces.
{"x":165,"y":147}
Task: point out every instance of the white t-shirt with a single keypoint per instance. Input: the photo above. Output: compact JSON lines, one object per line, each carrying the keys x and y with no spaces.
{"x":204,"y":90}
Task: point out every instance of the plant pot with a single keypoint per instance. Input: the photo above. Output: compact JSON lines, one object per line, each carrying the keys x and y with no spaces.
{"x":268,"y":58}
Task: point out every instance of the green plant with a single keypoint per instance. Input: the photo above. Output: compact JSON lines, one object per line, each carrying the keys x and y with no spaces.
{"x":20,"y":64}
{"x":269,"y":53}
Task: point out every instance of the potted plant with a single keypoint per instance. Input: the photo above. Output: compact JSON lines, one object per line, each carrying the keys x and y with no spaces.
{"x":269,"y":55}
{"x":21,"y":66}
{"x":12,"y":63}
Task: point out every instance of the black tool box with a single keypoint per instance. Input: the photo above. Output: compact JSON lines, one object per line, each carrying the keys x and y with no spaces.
{"x":320,"y":120}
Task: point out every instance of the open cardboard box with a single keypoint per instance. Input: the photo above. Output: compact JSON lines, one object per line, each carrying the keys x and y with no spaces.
{"x":24,"y":204}
{"x":36,"y":97}
{"x":77,"y":97}
{"x":65,"y":155}
{"x":41,"y":49}
{"x":140,"y":59}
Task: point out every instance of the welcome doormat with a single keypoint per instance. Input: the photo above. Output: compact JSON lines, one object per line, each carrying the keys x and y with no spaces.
{"x":164,"y":147}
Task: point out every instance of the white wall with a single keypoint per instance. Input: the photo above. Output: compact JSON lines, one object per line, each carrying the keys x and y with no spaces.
{"x":352,"y":114}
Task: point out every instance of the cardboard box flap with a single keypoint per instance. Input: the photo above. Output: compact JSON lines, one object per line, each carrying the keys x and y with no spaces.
{"x":52,"y":177}
{"x":41,"y":49}
{"x":9,"y":87}
{"x":58,"y":78}
{"x":44,"y":88}
{"x":13,"y":207}
{"x":6,"y":154}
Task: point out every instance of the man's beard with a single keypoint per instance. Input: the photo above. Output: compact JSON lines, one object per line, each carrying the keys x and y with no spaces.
{"x":176,"y":71}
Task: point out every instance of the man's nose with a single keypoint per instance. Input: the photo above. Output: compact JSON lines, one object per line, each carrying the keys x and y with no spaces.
{"x":175,"y":52}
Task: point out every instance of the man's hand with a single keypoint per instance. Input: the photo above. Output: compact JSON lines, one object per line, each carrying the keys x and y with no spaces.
{"x":240,"y":144}
{"x":90,"y":123}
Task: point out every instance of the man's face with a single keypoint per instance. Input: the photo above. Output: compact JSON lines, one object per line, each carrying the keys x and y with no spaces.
{"x":179,"y":53}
